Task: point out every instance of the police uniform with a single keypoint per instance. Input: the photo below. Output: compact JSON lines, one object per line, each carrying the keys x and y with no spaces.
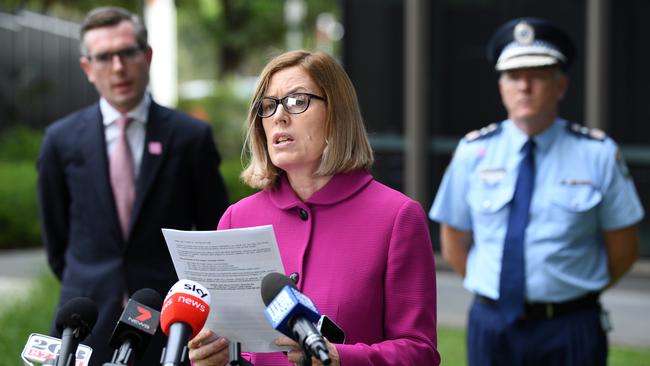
{"x":581,"y":188}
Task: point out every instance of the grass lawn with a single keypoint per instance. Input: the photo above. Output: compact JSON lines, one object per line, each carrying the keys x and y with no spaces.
{"x":451,"y":344}
{"x":33,"y":313}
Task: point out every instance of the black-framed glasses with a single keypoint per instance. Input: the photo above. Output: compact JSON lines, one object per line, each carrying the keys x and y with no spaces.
{"x":294,"y":103}
{"x":125,"y":55}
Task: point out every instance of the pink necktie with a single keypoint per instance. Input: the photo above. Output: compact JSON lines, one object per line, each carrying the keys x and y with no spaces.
{"x":122,"y":176}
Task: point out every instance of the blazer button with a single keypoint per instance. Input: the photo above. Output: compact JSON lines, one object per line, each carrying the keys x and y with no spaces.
{"x":303,"y":214}
{"x":295,"y":277}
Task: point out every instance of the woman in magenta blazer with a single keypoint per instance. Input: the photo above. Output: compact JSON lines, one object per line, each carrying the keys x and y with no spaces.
{"x":362,"y":250}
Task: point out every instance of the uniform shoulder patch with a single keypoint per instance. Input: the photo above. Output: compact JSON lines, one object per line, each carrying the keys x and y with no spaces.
{"x":486,"y":131}
{"x":584,"y":131}
{"x":620,"y":162}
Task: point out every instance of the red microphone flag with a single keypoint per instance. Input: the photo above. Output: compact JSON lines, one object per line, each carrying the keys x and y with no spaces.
{"x":187,"y":302}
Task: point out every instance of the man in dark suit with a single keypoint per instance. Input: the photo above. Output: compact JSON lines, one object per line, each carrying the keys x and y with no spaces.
{"x":113,"y":174}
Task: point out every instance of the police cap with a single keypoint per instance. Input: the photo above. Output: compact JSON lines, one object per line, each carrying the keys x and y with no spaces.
{"x":529,"y":42}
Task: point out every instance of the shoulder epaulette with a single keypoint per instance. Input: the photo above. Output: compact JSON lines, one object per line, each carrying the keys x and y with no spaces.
{"x":486,"y":131}
{"x":584,"y":131}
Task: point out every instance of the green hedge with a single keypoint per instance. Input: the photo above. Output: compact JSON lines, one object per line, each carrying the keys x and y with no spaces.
{"x":20,"y":144}
{"x":19,"y":223}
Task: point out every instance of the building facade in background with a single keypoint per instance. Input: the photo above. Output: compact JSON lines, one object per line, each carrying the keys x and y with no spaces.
{"x":40,"y":77}
{"x":462,"y":89}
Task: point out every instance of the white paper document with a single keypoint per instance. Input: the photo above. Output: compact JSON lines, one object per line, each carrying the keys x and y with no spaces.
{"x":231,"y":264}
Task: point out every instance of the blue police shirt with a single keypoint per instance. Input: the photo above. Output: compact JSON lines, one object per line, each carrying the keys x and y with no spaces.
{"x":582,"y":188}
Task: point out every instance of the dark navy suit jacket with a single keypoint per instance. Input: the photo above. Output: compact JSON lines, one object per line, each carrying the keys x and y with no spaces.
{"x":180,"y":187}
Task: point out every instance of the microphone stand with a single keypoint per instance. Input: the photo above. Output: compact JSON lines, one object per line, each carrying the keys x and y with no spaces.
{"x":122,"y":355}
{"x":234,"y":355}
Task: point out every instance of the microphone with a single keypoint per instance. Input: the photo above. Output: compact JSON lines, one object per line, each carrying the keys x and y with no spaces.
{"x":74,"y":321}
{"x":183,"y":314}
{"x":293,"y":314}
{"x":136,"y":326}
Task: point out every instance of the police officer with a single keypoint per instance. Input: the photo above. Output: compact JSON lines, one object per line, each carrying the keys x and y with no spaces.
{"x":539,"y":215}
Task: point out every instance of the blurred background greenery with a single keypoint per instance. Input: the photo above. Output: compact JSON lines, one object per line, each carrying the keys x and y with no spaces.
{"x":19,"y":222}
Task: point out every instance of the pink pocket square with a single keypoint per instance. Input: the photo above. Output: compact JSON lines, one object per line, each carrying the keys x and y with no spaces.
{"x":155,"y":148}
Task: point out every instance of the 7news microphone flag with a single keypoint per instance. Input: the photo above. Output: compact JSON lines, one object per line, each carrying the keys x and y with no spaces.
{"x":137,"y":324}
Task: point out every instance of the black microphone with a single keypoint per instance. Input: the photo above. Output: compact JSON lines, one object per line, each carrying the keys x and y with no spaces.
{"x":137,"y":324}
{"x":293,"y":314}
{"x":74,"y":320}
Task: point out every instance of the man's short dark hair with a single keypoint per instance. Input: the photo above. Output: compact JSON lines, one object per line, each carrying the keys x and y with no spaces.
{"x":108,"y":16}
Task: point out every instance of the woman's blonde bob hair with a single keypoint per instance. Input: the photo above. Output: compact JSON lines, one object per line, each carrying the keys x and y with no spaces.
{"x":347,"y":142}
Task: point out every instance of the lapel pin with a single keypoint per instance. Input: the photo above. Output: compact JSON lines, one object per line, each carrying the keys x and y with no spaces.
{"x":155,"y":148}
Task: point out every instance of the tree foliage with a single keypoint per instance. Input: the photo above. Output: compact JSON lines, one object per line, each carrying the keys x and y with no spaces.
{"x":245,"y":30}
{"x":239,"y":30}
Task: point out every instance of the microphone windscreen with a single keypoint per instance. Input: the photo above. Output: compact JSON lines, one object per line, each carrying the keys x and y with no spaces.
{"x":187,"y":302}
{"x":78,"y":312}
{"x":148,"y":297}
{"x":272,"y":284}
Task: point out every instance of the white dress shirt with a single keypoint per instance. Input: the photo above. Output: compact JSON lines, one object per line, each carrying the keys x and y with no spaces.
{"x":136,"y":131}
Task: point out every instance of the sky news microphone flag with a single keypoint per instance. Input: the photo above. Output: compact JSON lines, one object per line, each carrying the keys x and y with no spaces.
{"x":184,"y":312}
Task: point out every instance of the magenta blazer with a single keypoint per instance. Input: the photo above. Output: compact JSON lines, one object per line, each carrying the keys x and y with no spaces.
{"x":364,"y":256}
